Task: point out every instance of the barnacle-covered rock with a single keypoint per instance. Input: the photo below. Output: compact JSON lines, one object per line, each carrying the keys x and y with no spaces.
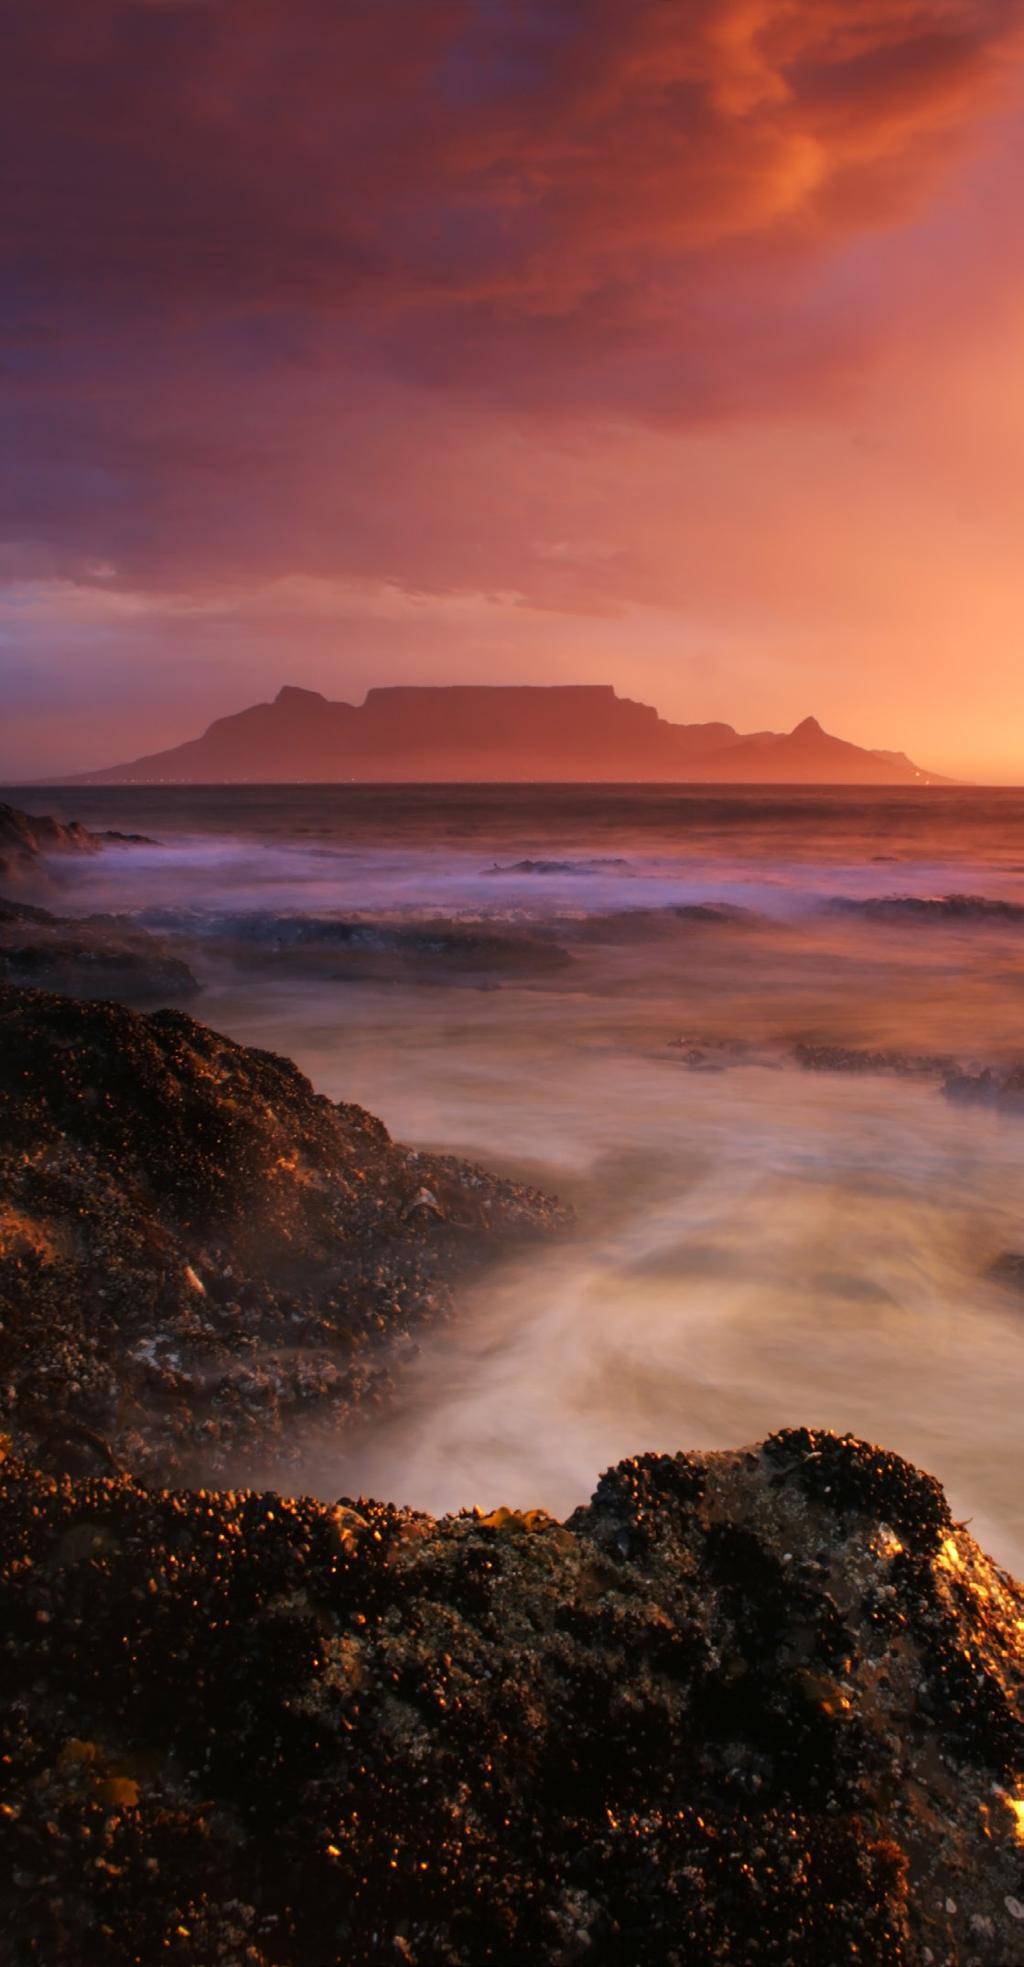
{"x":760,"y":1707}
{"x":195,"y":1246}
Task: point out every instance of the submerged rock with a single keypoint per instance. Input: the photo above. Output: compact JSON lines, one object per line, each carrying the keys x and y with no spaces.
{"x":18,"y":913}
{"x":710,"y":1053}
{"x":928,"y":908}
{"x":1001,"y":1086}
{"x":665,"y":924}
{"x":338,"y":949}
{"x":743,"y":1708}
{"x":1009,"y":1269}
{"x":89,"y":959}
{"x":820,"y":1057}
{"x":703,"y":1053}
{"x":609,"y":864}
{"x":195,"y":1247}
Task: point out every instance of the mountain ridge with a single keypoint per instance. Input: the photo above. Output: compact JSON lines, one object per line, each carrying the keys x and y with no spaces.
{"x":501,"y":732}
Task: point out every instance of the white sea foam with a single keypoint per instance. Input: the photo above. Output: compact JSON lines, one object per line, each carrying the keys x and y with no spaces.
{"x":757,"y":1246}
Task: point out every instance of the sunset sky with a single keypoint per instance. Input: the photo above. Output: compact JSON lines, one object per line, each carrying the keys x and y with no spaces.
{"x":677,"y":344}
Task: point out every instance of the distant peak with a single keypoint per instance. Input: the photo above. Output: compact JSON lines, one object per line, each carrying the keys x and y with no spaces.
{"x":502,"y":733}
{"x":291,"y":693}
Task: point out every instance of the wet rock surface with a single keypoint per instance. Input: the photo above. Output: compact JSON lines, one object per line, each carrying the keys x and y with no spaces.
{"x":1009,"y":1269}
{"x":98,"y":956}
{"x":752,"y":1707}
{"x":814,"y":1057}
{"x":196,"y":1249}
{"x":336,"y":949}
{"x":1001,"y":1086}
{"x":606,"y":864}
{"x":928,"y":908}
{"x":23,"y":836}
{"x":674,"y":922}
{"x":16,"y":913}
{"x":706,"y":1052}
{"x":26,"y":836}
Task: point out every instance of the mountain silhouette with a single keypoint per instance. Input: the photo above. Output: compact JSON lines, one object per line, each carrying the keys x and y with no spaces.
{"x":499,"y":732}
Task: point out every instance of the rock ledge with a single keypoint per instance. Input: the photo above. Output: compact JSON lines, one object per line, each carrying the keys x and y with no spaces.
{"x":758,"y":1707}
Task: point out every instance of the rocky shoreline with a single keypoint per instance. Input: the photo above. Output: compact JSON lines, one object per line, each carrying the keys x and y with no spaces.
{"x":91,"y":956}
{"x":27,"y":837}
{"x":197,"y":1250}
{"x":759,"y":1707}
{"x":755,"y":1709}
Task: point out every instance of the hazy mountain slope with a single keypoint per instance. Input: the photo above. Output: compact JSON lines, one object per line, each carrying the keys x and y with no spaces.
{"x":809,"y":755}
{"x":481,"y":732}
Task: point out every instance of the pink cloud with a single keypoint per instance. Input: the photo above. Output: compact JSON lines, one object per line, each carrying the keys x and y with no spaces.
{"x":599,"y":308}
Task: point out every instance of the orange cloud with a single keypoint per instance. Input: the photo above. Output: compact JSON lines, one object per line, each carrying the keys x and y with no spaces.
{"x":533,"y":302}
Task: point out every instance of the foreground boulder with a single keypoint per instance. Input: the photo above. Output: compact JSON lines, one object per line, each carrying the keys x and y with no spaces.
{"x":195,"y":1246}
{"x":744,"y":1708}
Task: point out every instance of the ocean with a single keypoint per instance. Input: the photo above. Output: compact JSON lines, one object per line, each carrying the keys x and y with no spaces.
{"x":740,"y":1029}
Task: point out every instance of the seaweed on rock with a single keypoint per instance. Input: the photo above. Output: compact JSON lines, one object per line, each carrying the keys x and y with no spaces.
{"x":717,"y":1717}
{"x":195,"y":1246}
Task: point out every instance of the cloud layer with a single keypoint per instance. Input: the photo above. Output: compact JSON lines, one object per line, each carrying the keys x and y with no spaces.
{"x":488,"y":298}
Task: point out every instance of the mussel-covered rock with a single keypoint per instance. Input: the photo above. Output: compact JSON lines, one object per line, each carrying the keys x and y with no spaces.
{"x":195,"y":1246}
{"x":745,"y":1708}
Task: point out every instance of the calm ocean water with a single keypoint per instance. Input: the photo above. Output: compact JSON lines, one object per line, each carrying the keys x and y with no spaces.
{"x":608,"y":988}
{"x":965,"y":822}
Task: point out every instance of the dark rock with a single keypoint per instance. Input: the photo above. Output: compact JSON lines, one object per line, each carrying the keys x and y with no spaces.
{"x":346,"y":950}
{"x":713,"y":1054}
{"x":814,"y":1057}
{"x":1009,"y":1269}
{"x":929,"y":908}
{"x":634,"y":925}
{"x":26,"y":836}
{"x":23,"y":835}
{"x":703,"y":1053}
{"x":423,"y":1207}
{"x":757,"y":1707}
{"x":12,"y":912}
{"x":94,"y":956}
{"x":611,"y":864}
{"x":1001,"y":1086}
{"x":194,"y":1245}
{"x":80,"y":961}
{"x":722,"y":914}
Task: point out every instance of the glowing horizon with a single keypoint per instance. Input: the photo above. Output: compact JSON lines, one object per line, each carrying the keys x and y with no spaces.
{"x":440,"y":344}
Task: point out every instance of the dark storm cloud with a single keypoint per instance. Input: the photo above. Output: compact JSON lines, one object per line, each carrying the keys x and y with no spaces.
{"x":412,"y":153}
{"x":276,"y":266}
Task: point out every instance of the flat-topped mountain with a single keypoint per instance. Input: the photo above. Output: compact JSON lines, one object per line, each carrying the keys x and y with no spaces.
{"x":500,"y":732}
